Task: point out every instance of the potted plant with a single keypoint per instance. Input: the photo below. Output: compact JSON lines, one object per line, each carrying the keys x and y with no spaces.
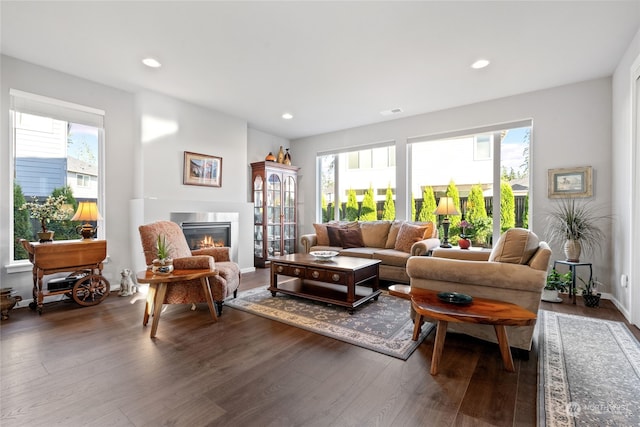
{"x":163,"y":263}
{"x":52,"y":209}
{"x":577,"y":226}
{"x":590,"y":293}
{"x":556,"y":282}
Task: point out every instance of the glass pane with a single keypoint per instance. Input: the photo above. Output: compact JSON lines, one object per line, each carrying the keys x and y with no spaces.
{"x":514,"y":166}
{"x":53,"y":158}
{"x":471,"y":184}
{"x":361,"y":186}
{"x":327,"y":187}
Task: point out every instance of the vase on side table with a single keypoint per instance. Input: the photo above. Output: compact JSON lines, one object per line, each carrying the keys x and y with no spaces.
{"x":162,"y":266}
{"x":464,"y":243}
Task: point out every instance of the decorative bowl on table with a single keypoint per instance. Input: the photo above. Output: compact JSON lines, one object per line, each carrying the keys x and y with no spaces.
{"x":323,"y":255}
{"x":455,"y":298}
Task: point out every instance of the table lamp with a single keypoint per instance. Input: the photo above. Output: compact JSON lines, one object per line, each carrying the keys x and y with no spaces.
{"x":446,"y":207}
{"x":87,"y":211}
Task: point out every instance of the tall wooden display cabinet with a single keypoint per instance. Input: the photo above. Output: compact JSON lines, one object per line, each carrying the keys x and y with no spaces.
{"x":274,"y":192}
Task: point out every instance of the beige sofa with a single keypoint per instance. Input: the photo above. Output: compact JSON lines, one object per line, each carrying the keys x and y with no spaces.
{"x":514,"y":271}
{"x":392,"y":242}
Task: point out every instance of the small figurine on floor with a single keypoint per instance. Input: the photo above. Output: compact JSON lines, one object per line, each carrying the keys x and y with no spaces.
{"x":127,"y":285}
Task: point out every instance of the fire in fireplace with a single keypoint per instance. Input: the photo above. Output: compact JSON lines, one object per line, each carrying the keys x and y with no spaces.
{"x":222,"y":228}
{"x":203,"y":235}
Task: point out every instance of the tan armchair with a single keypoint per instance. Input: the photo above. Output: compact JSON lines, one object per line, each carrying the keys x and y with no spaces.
{"x":222,"y":285}
{"x":514,"y":271}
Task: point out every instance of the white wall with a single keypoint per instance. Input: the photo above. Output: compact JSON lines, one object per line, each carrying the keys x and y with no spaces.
{"x":571,"y":127}
{"x":119,"y":174}
{"x":625,"y":168}
{"x":168,"y":128}
{"x":146,"y":135}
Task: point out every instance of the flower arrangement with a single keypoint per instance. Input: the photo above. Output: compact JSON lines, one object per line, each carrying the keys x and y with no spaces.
{"x":53,"y":209}
{"x":464,"y":224}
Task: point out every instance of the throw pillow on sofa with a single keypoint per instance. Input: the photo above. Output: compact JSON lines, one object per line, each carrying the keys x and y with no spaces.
{"x":335,"y":239}
{"x":351,"y":238}
{"x":322,"y":234}
{"x":408,"y":235}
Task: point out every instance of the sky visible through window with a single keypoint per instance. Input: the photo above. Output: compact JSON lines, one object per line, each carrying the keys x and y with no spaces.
{"x":83,"y":143}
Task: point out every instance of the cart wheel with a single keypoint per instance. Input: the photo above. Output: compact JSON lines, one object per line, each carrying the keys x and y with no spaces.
{"x":90,"y":290}
{"x":33,"y":305}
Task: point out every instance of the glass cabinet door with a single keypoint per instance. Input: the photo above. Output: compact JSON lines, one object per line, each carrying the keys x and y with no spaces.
{"x":274,"y":214}
{"x":289,"y":220}
{"x":258,"y":217}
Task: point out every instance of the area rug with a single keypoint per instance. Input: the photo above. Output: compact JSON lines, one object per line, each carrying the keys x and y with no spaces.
{"x":588,"y":372}
{"x":383,"y":326}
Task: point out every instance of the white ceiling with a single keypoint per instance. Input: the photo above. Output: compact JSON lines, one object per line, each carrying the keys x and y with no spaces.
{"x":333,"y":65}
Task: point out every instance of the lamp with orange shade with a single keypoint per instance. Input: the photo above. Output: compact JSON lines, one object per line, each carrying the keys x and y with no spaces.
{"x":87,"y":211}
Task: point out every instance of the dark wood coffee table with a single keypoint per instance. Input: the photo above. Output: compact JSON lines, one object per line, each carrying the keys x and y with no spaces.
{"x":482,"y":311}
{"x":344,"y":281}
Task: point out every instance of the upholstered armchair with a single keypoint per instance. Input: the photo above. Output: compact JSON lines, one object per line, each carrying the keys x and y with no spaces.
{"x":222,"y":285}
{"x":514,"y":271}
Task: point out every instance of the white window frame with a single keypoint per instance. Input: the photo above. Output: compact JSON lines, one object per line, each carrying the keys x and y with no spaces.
{"x":39,"y":105}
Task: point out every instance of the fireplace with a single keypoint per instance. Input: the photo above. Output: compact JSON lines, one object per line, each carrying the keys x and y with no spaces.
{"x":210,"y":229}
{"x":204,"y":235}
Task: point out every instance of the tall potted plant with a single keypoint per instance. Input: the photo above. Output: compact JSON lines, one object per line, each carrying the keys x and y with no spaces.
{"x":577,"y":226}
{"x":52,"y":209}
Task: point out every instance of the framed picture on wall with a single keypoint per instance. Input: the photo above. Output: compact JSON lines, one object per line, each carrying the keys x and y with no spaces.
{"x":570,"y":182}
{"x":201,"y":169}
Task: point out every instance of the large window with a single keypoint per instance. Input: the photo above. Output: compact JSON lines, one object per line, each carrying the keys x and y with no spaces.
{"x":56,"y":151}
{"x":486,"y":174}
{"x":354,"y":184}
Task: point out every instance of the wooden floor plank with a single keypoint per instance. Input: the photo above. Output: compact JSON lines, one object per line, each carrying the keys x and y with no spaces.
{"x":97,"y":366}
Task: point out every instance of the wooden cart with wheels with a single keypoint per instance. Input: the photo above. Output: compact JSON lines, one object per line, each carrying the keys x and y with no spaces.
{"x":83,"y":258}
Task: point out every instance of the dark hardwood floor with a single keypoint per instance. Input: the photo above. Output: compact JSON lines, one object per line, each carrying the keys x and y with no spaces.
{"x":97,"y":366}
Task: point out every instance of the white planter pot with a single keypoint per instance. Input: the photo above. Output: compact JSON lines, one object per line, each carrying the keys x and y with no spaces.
{"x":549,"y":295}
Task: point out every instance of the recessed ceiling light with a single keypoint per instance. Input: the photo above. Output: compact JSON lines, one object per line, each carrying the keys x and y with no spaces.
{"x":287,"y":116}
{"x":480,"y":63}
{"x":151,"y":62}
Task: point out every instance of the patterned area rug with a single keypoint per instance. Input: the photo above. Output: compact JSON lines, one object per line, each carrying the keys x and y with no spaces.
{"x":588,"y":372}
{"x":383,"y":326}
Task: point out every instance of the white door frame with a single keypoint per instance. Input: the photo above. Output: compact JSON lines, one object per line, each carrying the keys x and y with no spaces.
{"x":634,"y":279}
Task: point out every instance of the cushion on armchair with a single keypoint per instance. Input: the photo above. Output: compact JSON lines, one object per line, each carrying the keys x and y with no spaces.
{"x":220,"y":253}
{"x":515,"y":246}
{"x":205,"y":262}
